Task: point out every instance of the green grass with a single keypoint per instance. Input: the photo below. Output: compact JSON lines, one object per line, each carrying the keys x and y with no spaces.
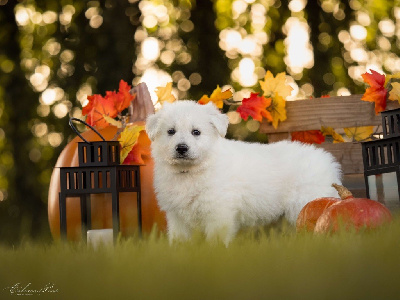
{"x":277,"y":263}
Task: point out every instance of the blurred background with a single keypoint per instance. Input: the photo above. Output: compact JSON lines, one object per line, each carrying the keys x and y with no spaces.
{"x":55,"y":53}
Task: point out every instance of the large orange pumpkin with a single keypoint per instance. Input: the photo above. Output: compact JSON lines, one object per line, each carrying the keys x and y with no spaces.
{"x":101,"y":203}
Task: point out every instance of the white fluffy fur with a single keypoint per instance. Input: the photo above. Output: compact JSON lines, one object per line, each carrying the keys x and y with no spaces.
{"x":223,"y":185}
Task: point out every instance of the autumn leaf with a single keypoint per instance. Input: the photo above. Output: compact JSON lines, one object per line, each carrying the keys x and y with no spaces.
{"x":140,"y":149}
{"x":376,"y":92}
{"x":359,"y":133}
{"x":89,"y":106}
{"x":278,"y":110}
{"x":394,"y":94}
{"x":99,"y":107}
{"x":272,"y":86}
{"x":308,"y":137}
{"x":374,"y":79}
{"x":217,"y":97}
{"x":100,"y":110}
{"x":256,"y":107}
{"x":112,"y":121}
{"x":123,"y":98}
{"x":128,"y":139}
{"x":337,"y":138}
{"x":393,"y":77}
{"x":164,"y":94}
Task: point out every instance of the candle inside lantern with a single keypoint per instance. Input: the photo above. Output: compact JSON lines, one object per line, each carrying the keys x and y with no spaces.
{"x":97,"y":237}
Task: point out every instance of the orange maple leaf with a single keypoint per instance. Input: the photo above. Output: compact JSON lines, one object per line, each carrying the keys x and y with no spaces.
{"x":110,"y":105}
{"x":217,"y":97}
{"x":123,"y":98}
{"x":308,"y":137}
{"x":97,"y":108}
{"x":89,"y":106}
{"x":140,"y":150}
{"x":376,"y":92}
{"x":256,"y":107}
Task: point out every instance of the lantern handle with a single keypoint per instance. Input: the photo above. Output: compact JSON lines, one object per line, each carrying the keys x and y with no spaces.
{"x":79,"y":134}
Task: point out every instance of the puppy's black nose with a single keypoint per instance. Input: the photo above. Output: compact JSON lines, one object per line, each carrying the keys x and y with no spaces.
{"x":182,"y":148}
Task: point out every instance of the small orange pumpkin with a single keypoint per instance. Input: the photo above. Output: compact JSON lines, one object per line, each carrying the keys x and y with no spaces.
{"x":101,"y":203}
{"x":353,"y":213}
{"x":310,"y":213}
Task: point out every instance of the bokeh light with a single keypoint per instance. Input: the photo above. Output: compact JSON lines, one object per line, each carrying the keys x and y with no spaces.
{"x":155,"y":78}
{"x":247,"y":76}
{"x":298,"y":47}
{"x":150,"y":49}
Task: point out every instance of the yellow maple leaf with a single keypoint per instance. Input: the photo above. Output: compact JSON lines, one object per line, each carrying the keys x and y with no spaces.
{"x":390,"y":77}
{"x":277,"y":85}
{"x":394,"y":94}
{"x":278,"y":110}
{"x":337,"y":138}
{"x":359,"y":133}
{"x":112,"y":121}
{"x":217,"y":97}
{"x":128,"y":139}
{"x":164,"y":94}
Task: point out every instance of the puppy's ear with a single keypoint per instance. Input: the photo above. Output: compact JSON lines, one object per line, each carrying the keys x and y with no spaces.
{"x":218,"y":120}
{"x":152,"y":125}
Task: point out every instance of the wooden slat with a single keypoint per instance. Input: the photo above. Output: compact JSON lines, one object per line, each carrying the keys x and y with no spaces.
{"x":336,"y":112}
{"x":349,"y":155}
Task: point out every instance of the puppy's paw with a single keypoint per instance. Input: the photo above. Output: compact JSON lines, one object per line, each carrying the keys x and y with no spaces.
{"x":177,"y":236}
{"x":178,"y":231}
{"x":222,"y":233}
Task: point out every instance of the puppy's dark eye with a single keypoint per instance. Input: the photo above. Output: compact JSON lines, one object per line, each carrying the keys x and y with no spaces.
{"x":196,"y":132}
{"x":171,"y":131}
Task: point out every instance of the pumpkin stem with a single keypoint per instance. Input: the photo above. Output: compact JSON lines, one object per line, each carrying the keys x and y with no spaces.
{"x":343,"y":192}
{"x":141,"y":106}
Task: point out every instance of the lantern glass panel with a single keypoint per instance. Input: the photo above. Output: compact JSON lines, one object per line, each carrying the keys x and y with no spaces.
{"x":101,"y":205}
{"x":383,"y":188}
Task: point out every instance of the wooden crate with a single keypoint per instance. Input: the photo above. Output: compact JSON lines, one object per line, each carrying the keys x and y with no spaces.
{"x":336,"y":112}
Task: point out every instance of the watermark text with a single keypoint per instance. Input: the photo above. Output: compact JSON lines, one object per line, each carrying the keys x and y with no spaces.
{"x":28,"y":289}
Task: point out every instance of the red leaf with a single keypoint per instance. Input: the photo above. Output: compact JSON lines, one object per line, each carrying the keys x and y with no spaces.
{"x":376,"y":92}
{"x":308,"y":137}
{"x":110,"y":105}
{"x":375,"y":79}
{"x":123,"y":98}
{"x":89,"y":106}
{"x":140,"y":149}
{"x":98,"y":107}
{"x":256,"y":107}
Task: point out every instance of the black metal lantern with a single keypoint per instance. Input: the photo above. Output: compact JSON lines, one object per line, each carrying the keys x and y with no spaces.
{"x":381,"y":158}
{"x":99,"y":172}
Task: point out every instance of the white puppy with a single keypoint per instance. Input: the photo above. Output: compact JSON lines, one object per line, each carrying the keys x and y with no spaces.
{"x":203,"y":180}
